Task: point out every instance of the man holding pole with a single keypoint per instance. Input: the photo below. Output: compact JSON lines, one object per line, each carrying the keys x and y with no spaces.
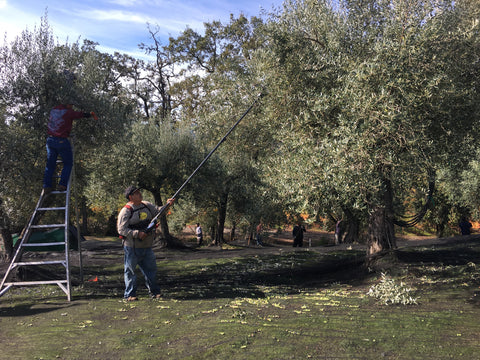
{"x":132,"y":223}
{"x":136,"y":224}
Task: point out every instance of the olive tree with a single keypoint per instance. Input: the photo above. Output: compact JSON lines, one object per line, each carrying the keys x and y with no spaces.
{"x":373,"y":99}
{"x":218,"y":70}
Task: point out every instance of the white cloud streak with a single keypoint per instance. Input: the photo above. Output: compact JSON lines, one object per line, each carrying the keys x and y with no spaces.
{"x":114,"y":15}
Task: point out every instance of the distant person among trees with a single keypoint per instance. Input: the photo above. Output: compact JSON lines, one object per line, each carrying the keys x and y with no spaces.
{"x":258,"y":236}
{"x":465,"y":226}
{"x":298,"y":231}
{"x":59,"y":128}
{"x":199,"y":233}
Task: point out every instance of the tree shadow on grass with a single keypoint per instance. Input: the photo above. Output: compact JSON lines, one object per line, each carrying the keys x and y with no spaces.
{"x":33,"y":308}
{"x":250,"y":276}
{"x":455,"y":253}
{"x":263,"y":275}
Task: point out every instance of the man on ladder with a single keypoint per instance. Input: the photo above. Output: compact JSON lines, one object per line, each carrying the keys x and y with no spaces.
{"x":59,"y":128}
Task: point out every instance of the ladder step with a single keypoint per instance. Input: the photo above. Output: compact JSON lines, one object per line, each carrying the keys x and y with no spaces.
{"x":21,"y":283}
{"x":51,"y":208}
{"x":51,"y":262}
{"x":47,"y":226}
{"x":60,"y":243}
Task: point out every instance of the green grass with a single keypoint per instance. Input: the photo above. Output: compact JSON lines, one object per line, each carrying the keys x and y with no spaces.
{"x":298,"y":305}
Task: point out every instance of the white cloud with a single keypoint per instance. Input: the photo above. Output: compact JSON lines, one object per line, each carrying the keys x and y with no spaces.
{"x":170,"y":23}
{"x":115,"y":15}
{"x":3,"y":4}
{"x":136,"y":53}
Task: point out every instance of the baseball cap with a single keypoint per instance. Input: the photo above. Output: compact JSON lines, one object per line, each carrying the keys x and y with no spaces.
{"x":130,"y":190}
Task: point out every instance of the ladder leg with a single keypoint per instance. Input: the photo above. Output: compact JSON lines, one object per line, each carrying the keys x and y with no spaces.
{"x":67,"y":242}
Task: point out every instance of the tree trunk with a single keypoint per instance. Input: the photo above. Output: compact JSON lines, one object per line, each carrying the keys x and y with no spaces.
{"x":163,"y":219}
{"x":84,"y":216}
{"x":6,"y":241}
{"x":111,"y":225}
{"x":381,"y":235}
{"x":351,"y":232}
{"x":232,"y":234}
{"x":212,"y":234}
{"x":222,"y":215}
{"x":443,"y":220}
{"x":353,"y":227}
{"x":6,"y":245}
{"x":380,"y":232}
{"x":249,"y":233}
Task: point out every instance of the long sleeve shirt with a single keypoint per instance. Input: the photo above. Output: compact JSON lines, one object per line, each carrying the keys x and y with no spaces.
{"x":61,"y":120}
{"x":133,"y":215}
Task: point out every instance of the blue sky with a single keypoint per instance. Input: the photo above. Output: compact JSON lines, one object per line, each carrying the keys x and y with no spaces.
{"x":120,"y":25}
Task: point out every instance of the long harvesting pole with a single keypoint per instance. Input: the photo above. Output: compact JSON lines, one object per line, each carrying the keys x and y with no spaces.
{"x":162,"y":210}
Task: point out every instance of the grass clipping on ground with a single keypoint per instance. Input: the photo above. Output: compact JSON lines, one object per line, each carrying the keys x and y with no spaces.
{"x":389,"y":292}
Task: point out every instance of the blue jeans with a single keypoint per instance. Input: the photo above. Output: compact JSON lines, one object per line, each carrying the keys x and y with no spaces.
{"x":145,"y":259}
{"x":58,"y":146}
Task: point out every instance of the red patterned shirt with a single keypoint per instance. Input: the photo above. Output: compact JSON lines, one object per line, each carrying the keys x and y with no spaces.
{"x":61,"y":120}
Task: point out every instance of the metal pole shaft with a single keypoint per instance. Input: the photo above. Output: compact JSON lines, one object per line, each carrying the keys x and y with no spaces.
{"x":213,"y":150}
{"x":162,"y":210}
